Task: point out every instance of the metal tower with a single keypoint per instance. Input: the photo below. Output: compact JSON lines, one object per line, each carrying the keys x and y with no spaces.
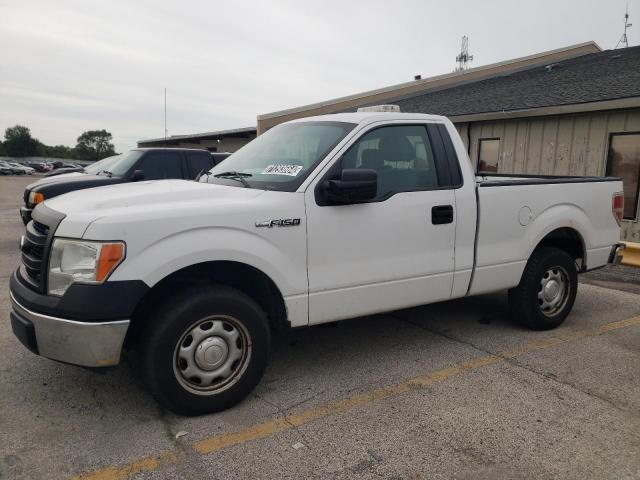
{"x":464,"y":59}
{"x":624,"y":41}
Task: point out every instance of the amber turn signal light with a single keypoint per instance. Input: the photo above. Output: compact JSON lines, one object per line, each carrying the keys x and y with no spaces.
{"x":111,"y":254}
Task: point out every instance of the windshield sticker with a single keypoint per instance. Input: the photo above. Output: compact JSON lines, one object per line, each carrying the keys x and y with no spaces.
{"x":290,"y":170}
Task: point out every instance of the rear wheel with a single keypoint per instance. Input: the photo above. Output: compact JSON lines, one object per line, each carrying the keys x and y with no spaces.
{"x":547,"y":290}
{"x":205,"y":350}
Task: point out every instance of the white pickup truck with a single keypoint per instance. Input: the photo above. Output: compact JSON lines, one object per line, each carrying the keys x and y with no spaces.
{"x":317,"y":220}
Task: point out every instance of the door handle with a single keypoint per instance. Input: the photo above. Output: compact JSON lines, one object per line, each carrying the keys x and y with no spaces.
{"x":441,"y":214}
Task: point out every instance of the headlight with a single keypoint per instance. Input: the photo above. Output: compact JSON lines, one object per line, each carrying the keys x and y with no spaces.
{"x":35,"y":198}
{"x":81,"y":262}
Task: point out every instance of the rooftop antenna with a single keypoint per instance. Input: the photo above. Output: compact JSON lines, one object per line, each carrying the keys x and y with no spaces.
{"x":624,"y":41}
{"x":464,"y":59}
{"x":165,"y":116}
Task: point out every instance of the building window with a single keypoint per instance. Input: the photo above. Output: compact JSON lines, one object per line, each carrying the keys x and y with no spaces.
{"x":624,"y":162}
{"x":488,"y":154}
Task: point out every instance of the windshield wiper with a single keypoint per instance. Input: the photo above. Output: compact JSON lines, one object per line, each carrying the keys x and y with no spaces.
{"x":202,"y":173}
{"x":233,"y":175}
{"x":107,"y":172}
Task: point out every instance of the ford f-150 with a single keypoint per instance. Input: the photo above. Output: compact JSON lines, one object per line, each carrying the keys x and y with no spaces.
{"x":317,"y":220}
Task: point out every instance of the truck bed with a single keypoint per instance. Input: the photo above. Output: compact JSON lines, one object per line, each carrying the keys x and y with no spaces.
{"x":514,"y":218}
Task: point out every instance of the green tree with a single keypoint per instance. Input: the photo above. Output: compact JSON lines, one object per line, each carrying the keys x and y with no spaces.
{"x":58,"y":151}
{"x":94,"y":145}
{"x":18,"y":142}
{"x":3,"y":152}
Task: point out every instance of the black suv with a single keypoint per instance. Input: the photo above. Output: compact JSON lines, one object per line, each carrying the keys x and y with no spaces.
{"x":133,"y":166}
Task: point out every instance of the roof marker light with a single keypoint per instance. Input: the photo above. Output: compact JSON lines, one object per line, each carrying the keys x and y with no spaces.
{"x":380,"y":108}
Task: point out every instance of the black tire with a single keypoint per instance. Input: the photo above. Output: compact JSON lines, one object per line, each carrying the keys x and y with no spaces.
{"x":175,"y":318}
{"x":525,"y":304}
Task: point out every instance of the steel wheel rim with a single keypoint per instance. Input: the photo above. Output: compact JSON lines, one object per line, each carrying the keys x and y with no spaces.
{"x":212,"y":355}
{"x":553,"y":291}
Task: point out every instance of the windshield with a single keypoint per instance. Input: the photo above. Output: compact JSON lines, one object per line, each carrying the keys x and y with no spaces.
{"x":281,"y":158}
{"x":100,"y":165}
{"x":120,"y":164}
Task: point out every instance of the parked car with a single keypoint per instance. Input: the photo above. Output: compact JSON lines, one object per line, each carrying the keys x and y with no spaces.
{"x":24,"y":168}
{"x":62,"y":170}
{"x":133,"y":166}
{"x":40,"y":166}
{"x":316,"y":220}
{"x":59,"y":168}
{"x":5,"y":169}
{"x":15,"y":169}
{"x":60,"y":164}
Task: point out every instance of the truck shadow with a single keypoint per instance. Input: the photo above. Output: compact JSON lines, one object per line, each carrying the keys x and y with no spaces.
{"x":333,"y":358}
{"x":382,"y":349}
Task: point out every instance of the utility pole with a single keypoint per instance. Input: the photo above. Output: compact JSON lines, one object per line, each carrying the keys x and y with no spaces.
{"x":165,"y":116}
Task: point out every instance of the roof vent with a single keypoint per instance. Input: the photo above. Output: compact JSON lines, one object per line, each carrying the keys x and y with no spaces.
{"x":380,"y":108}
{"x":551,"y":67}
{"x":417,"y":77}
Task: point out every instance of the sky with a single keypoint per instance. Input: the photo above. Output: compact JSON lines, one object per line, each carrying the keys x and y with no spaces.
{"x":68,"y":66}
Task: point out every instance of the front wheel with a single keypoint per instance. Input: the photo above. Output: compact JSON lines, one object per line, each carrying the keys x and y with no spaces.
{"x":205,"y":350}
{"x":547,"y":290}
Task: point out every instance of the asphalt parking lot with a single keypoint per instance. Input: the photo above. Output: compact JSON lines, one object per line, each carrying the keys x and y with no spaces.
{"x":451,"y":390}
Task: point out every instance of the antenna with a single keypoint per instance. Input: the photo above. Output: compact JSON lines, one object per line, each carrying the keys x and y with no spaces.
{"x":624,"y":41}
{"x":165,"y":116}
{"x":464,"y":59}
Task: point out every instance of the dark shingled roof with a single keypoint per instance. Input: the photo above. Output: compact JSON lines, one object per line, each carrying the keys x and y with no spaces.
{"x":174,"y":139}
{"x":595,"y":77}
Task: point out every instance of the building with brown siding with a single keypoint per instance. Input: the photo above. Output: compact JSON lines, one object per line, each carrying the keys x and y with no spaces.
{"x":572,"y":111}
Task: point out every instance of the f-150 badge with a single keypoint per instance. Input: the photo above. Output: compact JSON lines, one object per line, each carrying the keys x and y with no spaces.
{"x":282,"y":222}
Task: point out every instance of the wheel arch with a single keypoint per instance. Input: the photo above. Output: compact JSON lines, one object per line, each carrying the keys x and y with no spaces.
{"x":565,"y":226}
{"x":567,"y":239}
{"x":244,"y":277}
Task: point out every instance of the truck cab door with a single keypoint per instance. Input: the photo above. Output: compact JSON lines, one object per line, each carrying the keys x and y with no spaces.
{"x":394,"y":251}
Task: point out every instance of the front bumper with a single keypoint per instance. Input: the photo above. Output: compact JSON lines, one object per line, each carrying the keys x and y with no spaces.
{"x":111,"y":300}
{"x":25,"y":214}
{"x":89,"y":344}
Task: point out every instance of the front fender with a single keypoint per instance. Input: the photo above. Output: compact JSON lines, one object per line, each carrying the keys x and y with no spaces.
{"x":283,"y":262}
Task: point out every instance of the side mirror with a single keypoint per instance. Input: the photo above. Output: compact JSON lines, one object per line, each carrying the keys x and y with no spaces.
{"x":137,"y":175}
{"x":355,"y":185}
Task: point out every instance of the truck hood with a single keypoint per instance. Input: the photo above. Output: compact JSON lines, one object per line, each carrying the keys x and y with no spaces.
{"x":56,"y":178}
{"x":145,"y":195}
{"x":144,"y":200}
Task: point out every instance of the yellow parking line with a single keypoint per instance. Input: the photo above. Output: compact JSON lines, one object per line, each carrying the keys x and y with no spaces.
{"x":146,"y":464}
{"x":266,"y":429}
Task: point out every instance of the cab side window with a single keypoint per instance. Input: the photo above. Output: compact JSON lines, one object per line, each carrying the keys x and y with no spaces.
{"x":161,"y":166}
{"x":401,"y":155}
{"x":198,"y":162}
